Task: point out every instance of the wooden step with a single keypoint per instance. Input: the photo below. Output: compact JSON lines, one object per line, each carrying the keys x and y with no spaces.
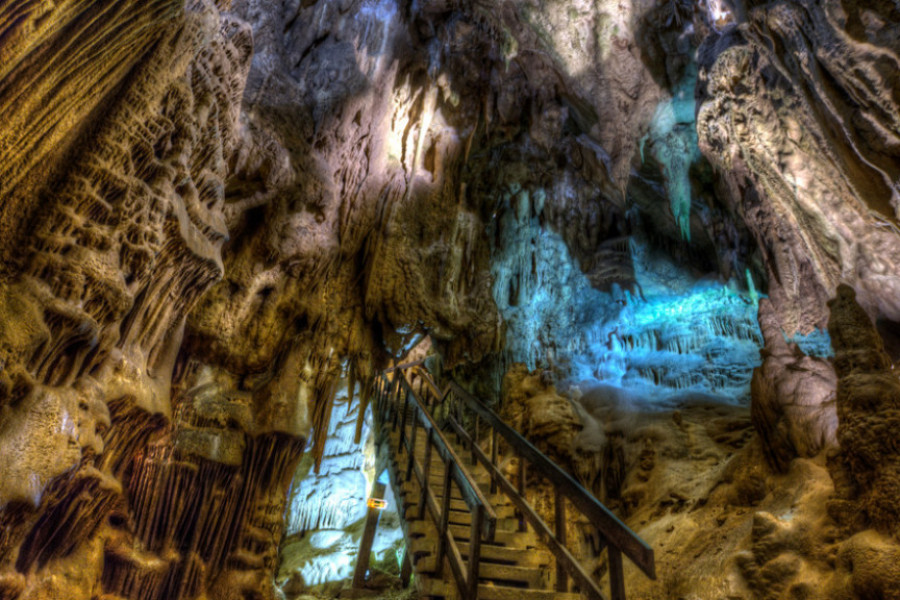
{"x":462,"y":518}
{"x":506,"y":511}
{"x":436,"y":481}
{"x":511,"y":575}
{"x":500,"y":592}
{"x":486,"y":591}
{"x":412,"y":487}
{"x":514,"y":539}
{"x":503,"y":506}
{"x":436,"y":471}
{"x":462,"y":451}
{"x":531,"y":557}
{"x":436,"y":476}
{"x":503,"y":509}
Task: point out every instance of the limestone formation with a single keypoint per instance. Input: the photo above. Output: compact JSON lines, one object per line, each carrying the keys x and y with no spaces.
{"x":214,"y":213}
{"x":530,"y":404}
{"x":799,"y":118}
{"x":868,"y":401}
{"x":793,"y":398}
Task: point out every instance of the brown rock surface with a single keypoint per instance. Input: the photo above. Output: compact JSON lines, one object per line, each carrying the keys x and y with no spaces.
{"x":793,"y":397}
{"x":531,"y":405}
{"x":868,"y":403}
{"x":211,"y":211}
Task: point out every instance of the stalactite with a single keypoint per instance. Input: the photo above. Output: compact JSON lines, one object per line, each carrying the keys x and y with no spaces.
{"x":321,"y":418}
{"x":75,"y":508}
{"x":206,"y":518}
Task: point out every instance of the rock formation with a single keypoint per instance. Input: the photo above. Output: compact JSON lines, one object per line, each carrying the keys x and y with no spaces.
{"x":212,"y":212}
{"x":868,"y":401}
{"x":799,"y":118}
{"x":793,"y":397}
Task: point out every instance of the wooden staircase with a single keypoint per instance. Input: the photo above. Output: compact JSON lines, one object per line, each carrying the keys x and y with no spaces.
{"x":512,"y":565}
{"x":459,"y":510}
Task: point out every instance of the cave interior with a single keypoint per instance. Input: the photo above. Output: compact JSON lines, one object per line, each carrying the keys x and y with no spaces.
{"x":657,"y":238}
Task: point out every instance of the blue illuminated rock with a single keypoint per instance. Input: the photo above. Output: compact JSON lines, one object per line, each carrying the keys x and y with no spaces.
{"x":326,"y":511}
{"x":676,"y":333}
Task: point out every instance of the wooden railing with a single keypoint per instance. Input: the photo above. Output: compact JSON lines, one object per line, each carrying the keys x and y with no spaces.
{"x":617,"y":538}
{"x":409,"y":388}
{"x":396,"y":402}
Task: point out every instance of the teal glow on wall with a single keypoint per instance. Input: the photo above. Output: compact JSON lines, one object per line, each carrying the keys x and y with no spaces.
{"x":676,"y":333}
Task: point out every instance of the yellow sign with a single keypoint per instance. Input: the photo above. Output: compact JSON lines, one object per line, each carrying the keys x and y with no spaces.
{"x":377,"y":503}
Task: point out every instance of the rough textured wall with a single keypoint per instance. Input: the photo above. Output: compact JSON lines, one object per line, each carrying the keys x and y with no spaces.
{"x":209,"y":211}
{"x":119,"y":248}
{"x":868,"y":398}
{"x":799,"y":116}
{"x":148,"y":434}
{"x":60,"y":61}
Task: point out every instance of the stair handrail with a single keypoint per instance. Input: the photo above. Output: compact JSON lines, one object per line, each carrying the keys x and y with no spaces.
{"x":467,"y":483}
{"x":404,"y":366}
{"x":436,"y":397}
{"x":484,"y":518}
{"x":619,"y":537}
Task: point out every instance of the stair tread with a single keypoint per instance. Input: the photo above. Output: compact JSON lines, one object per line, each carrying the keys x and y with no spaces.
{"x":500,"y":592}
{"x":412,"y":487}
{"x":521,"y":557}
{"x":516,"y":539}
{"x":531,"y":557}
{"x":534,"y":577}
{"x":434,"y":587}
{"x":460,"y":449}
{"x":458,"y":517}
{"x":478,"y":476}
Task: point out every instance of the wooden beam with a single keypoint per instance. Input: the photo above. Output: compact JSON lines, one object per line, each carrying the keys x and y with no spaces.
{"x":365,"y":544}
{"x":560,"y":514}
{"x":616,"y":576}
{"x":405,"y":568}
{"x":471,"y":592}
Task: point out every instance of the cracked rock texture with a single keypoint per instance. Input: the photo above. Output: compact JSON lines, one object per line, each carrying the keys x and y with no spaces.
{"x":213,"y":212}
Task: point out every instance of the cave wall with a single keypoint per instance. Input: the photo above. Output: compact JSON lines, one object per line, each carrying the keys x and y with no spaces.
{"x":118,"y":248}
{"x":224,"y":220}
{"x":210,"y":212}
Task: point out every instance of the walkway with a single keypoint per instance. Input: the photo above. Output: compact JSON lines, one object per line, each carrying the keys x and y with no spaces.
{"x":470,"y":531}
